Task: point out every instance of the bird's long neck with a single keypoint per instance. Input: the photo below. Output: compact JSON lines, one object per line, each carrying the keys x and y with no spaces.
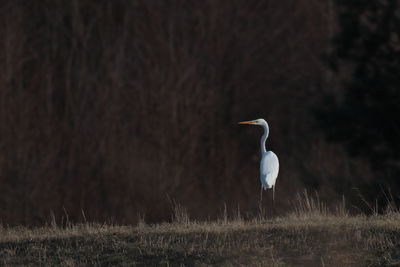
{"x":264,"y":137}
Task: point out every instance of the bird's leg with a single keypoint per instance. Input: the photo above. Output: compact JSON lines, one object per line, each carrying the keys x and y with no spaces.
{"x":273,"y":196}
{"x":260,"y":210}
{"x":273,"y":200}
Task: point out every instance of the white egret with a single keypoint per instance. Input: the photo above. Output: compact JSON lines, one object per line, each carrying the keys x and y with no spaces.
{"x":269,"y":164}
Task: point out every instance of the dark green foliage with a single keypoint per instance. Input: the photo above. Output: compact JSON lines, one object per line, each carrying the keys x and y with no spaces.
{"x":366,"y":55}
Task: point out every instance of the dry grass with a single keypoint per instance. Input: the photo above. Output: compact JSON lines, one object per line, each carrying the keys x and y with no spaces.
{"x":308,"y":237}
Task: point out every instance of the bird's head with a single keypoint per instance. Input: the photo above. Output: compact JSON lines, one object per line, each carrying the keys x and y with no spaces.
{"x":254,"y":122}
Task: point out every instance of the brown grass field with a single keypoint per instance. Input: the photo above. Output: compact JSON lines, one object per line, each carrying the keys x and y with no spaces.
{"x":309,"y":236}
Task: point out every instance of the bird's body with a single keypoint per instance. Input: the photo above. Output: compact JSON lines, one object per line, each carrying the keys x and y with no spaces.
{"x":269,"y":168}
{"x":269,"y":164}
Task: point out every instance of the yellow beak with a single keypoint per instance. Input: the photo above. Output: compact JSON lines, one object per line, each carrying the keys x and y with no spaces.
{"x":247,"y":122}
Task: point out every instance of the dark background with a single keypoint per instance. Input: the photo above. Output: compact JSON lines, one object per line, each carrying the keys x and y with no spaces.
{"x":118,"y":109}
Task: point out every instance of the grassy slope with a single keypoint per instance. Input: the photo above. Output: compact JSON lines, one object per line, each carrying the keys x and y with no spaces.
{"x":308,"y":240}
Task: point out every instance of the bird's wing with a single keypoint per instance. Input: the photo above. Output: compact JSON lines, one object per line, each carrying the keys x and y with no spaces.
{"x":269,"y":168}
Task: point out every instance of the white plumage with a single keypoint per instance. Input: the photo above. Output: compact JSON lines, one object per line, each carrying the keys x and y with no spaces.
{"x":269,"y":164}
{"x":269,"y":168}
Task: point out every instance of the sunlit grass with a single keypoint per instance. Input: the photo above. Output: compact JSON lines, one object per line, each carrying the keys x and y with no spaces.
{"x":312,"y":235}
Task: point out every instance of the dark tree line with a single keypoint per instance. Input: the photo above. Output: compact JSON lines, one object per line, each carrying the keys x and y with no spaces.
{"x":366,"y":118}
